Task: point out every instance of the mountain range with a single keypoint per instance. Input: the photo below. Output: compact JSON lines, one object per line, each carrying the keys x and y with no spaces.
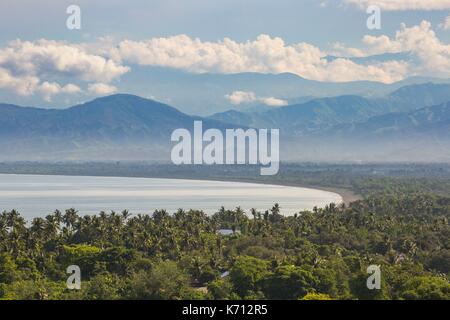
{"x":412,"y":123}
{"x":323,"y":113}
{"x":205,"y":94}
{"x":120,"y":126}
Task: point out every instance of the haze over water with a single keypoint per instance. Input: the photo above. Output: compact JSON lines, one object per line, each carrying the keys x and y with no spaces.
{"x":39,"y":195}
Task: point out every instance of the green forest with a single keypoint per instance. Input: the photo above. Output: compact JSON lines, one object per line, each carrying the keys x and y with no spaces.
{"x":317,"y":255}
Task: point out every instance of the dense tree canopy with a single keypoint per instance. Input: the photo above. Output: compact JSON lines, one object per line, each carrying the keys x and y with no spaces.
{"x":321,"y":254}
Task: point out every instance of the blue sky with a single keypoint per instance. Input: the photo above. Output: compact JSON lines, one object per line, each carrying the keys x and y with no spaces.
{"x":313,"y":21}
{"x":40,"y":58}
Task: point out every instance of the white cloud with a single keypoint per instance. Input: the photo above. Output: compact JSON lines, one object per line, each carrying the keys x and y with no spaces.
{"x":49,"y":89}
{"x":274,"y":102}
{"x":101,"y":89}
{"x":400,"y":5}
{"x":246,"y":97}
{"x":58,"y":59}
{"x":27,"y":85}
{"x":339,"y":49}
{"x":71,"y":89}
{"x":24,"y":85}
{"x":52,"y":67}
{"x":264,"y":55}
{"x":36,"y":67}
{"x":422,"y":42}
{"x":432,"y":57}
{"x":241,"y":97}
{"x":446,"y":24}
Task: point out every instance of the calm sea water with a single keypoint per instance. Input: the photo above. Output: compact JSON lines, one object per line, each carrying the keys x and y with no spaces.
{"x":39,"y":195}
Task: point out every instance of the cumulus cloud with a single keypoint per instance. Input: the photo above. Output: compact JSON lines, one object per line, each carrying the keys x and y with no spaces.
{"x":101,"y":89}
{"x":49,"y":89}
{"x":264,"y":55}
{"x":245,"y":97}
{"x":274,"y":102}
{"x":241,"y":97}
{"x":341,"y":50}
{"x":32,"y":67}
{"x":71,"y":89}
{"x":27,"y":85}
{"x":432,"y":57}
{"x":58,"y":58}
{"x":53,"y":67}
{"x":23,"y":85}
{"x":400,"y":5}
{"x":422,"y":42}
{"x":446,"y":24}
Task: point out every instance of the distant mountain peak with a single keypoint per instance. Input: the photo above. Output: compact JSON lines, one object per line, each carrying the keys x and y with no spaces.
{"x":120,"y":97}
{"x":129,"y":102}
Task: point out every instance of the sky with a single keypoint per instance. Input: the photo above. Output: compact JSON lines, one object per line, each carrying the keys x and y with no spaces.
{"x":41,"y":58}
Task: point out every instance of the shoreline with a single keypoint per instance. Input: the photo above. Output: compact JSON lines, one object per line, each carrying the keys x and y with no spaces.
{"x":347,"y":195}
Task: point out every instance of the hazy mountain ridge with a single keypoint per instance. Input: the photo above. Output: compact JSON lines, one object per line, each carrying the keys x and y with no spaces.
{"x":324,"y":113}
{"x":427,"y":120}
{"x":421,"y":135}
{"x":206,"y":93}
{"x":104,"y":126}
{"x":346,"y":127}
